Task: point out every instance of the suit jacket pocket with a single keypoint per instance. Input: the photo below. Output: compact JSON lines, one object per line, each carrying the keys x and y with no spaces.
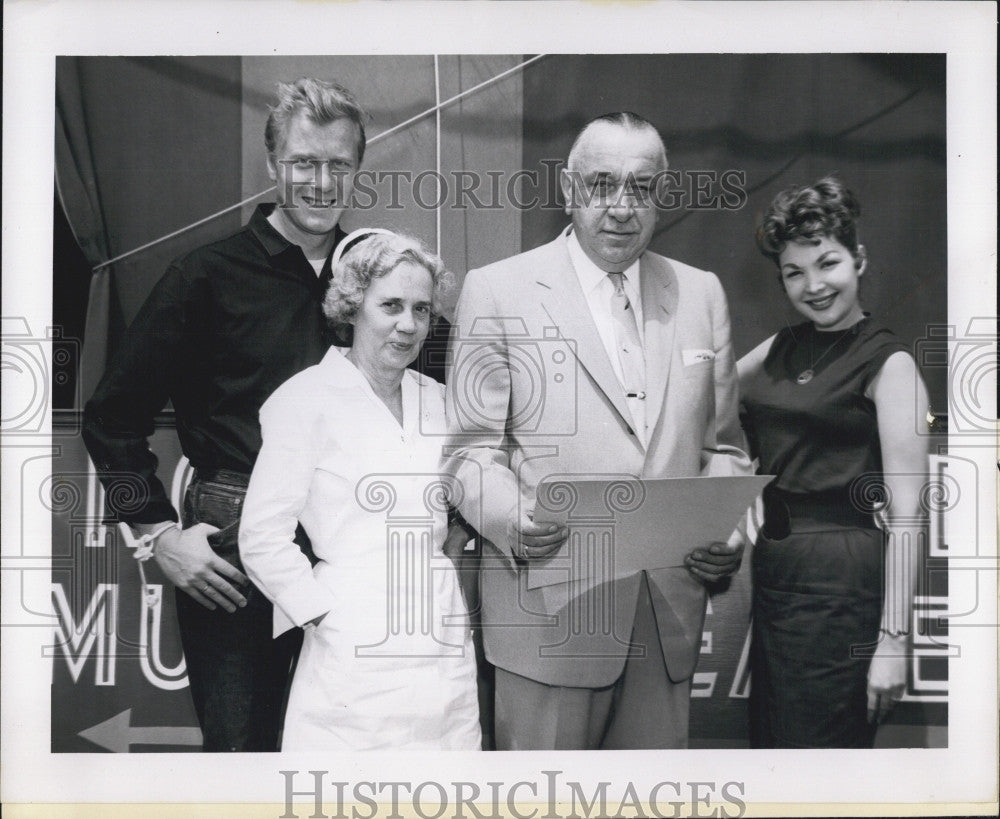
{"x":700,"y":369}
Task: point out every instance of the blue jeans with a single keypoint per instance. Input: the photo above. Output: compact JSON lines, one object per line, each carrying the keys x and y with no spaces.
{"x":238,"y":674}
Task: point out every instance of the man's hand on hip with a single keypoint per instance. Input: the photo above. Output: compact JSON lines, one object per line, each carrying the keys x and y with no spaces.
{"x":189,"y":563}
{"x":719,"y":560}
{"x":530,"y":539}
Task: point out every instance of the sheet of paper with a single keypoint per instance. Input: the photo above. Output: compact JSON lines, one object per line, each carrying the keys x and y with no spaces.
{"x":619,"y":526}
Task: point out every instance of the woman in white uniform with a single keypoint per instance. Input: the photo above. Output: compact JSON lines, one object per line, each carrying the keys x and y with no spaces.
{"x":351,"y":449}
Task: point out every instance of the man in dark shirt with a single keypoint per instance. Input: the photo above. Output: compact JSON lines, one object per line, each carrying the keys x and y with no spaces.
{"x":226,"y":325}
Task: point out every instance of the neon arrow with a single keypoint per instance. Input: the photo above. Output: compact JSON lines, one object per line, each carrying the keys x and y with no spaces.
{"x":117,"y":734}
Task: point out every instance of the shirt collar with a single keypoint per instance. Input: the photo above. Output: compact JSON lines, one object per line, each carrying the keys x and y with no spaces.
{"x":591,"y":276}
{"x":273,"y":242}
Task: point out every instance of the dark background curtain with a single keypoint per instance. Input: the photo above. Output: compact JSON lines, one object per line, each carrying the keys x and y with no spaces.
{"x":145,"y":146}
{"x":782,"y":119}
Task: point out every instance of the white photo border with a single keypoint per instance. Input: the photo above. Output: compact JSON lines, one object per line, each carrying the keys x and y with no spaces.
{"x":959,"y":779}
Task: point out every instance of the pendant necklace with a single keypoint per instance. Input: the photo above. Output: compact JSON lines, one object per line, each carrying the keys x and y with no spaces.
{"x":806,"y":375}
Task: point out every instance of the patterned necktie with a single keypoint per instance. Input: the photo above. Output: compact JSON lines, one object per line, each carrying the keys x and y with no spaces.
{"x":630,"y":353}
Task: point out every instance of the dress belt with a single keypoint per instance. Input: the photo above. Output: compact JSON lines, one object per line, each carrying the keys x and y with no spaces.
{"x":780,"y":508}
{"x":230,"y":477}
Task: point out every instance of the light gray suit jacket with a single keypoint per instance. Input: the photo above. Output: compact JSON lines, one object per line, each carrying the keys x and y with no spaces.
{"x":532,"y":394}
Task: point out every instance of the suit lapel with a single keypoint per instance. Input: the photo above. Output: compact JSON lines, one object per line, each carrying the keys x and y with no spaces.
{"x":659,"y":305}
{"x":564,"y":302}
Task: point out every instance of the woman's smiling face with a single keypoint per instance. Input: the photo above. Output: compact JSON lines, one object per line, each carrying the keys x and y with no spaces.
{"x":821,"y":278}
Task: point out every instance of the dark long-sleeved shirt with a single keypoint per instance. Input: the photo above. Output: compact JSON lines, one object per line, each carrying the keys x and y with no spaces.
{"x":224,"y":327}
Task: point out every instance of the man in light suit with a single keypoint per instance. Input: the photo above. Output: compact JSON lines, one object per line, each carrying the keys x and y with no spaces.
{"x":591,"y":357}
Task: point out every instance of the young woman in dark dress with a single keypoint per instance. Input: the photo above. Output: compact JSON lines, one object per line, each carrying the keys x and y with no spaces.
{"x":831,"y":406}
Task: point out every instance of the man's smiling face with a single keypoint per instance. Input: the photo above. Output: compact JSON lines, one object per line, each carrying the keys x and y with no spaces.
{"x":313,"y":168}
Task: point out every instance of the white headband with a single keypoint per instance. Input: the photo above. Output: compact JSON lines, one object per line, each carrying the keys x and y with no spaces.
{"x":353,"y":238}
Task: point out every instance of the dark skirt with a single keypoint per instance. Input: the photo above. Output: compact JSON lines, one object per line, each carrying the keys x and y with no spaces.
{"x":817,"y":603}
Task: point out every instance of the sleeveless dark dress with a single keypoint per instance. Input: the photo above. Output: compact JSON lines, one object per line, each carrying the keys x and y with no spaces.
{"x":818,"y":561}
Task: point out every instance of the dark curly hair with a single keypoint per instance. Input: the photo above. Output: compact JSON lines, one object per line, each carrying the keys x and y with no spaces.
{"x":826,"y":208}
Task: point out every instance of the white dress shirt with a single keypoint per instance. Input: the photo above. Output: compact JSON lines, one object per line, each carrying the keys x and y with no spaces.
{"x":598,"y":291}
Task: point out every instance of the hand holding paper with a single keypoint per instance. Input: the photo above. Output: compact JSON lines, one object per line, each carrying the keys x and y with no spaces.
{"x":718,"y":561}
{"x":530,"y":540}
{"x":620,"y":525}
